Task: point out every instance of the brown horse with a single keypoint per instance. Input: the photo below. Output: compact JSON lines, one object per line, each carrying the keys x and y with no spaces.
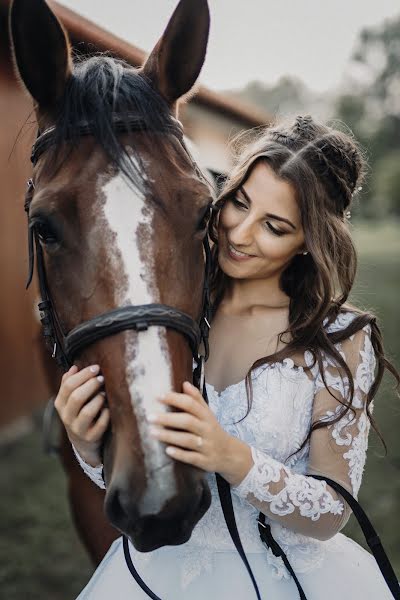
{"x":119,"y":214}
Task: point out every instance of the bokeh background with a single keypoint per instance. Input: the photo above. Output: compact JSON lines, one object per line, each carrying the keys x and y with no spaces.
{"x":339,"y":61}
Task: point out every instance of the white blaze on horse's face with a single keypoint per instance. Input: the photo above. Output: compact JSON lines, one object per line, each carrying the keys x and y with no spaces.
{"x":148,"y":374}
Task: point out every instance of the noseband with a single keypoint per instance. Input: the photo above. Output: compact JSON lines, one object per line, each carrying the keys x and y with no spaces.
{"x":65,"y":347}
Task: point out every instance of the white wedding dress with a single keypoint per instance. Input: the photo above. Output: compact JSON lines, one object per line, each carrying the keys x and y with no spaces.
{"x":305,"y":514}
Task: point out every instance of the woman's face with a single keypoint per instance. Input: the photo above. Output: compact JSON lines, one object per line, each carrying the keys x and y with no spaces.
{"x":259,"y":228}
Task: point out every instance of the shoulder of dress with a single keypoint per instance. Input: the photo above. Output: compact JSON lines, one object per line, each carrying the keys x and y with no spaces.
{"x":342,"y":321}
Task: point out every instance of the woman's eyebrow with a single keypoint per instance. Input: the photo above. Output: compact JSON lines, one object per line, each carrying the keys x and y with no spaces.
{"x":269,"y":215}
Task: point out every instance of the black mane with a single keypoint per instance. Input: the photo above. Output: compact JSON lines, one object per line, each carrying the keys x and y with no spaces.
{"x":99,"y":87}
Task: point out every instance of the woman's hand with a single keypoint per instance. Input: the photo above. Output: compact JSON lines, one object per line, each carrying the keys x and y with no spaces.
{"x":194,"y":436}
{"x":80,"y":404}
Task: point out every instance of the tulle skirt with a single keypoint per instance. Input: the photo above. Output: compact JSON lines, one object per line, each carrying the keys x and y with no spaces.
{"x":351,"y":573}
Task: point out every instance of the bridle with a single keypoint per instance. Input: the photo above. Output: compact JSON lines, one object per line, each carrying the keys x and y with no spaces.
{"x":66,"y":346}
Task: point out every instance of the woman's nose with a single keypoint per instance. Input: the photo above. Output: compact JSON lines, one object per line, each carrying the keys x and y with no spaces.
{"x":243,"y":233}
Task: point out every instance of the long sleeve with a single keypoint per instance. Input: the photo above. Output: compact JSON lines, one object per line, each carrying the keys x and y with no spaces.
{"x":302,"y":503}
{"x":94,"y":473}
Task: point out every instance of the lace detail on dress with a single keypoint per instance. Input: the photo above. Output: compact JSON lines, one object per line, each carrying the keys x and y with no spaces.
{"x":352,"y":429}
{"x":357,"y":453}
{"x":94,"y":473}
{"x":309,"y":495}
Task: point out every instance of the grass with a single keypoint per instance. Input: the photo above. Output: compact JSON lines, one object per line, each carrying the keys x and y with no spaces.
{"x":40,"y":554}
{"x":378,"y":289}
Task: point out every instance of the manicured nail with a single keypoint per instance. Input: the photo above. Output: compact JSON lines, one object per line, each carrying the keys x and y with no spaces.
{"x":100,"y":378}
{"x":152,"y":418}
{"x":94,"y":368}
{"x":154,"y":430}
{"x":170,"y":450}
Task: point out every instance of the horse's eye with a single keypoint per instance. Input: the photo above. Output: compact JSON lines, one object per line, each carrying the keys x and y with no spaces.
{"x":45,"y":233}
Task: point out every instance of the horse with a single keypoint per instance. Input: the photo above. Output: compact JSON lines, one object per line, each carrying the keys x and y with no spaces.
{"x":117,"y":216}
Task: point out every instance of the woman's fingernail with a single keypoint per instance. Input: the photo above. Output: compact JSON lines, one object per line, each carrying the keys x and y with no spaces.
{"x":153,"y":430}
{"x":94,"y":368}
{"x":170,"y":450}
{"x":152,"y":418}
{"x":100,"y":378}
{"x":103,"y":393}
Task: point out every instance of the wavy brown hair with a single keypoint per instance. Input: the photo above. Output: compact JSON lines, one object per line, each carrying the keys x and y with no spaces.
{"x":325,"y":166}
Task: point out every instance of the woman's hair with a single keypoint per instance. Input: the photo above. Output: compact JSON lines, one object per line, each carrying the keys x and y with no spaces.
{"x":325,"y":167}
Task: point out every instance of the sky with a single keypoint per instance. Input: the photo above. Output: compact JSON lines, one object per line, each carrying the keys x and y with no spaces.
{"x":255,"y":39}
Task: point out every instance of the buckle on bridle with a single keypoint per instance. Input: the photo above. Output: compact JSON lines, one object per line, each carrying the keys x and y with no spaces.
{"x":261,"y":523}
{"x":201,"y":363}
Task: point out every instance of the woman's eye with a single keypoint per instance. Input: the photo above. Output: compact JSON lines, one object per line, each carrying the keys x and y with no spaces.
{"x":274,"y":231}
{"x":238,"y":203}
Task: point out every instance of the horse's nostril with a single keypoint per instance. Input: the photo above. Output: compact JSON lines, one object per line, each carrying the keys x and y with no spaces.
{"x":113,"y":506}
{"x":118,"y":508}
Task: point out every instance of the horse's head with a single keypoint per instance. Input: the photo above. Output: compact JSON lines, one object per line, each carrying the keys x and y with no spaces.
{"x":119,"y":211}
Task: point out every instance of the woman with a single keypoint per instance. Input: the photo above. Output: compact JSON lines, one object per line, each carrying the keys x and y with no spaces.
{"x":290,"y":382}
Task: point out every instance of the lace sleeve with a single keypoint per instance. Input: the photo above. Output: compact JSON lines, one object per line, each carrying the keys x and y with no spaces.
{"x":299,"y":502}
{"x":94,"y":473}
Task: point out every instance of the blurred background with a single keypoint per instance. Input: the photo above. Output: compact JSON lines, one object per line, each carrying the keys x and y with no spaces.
{"x":340,"y":62}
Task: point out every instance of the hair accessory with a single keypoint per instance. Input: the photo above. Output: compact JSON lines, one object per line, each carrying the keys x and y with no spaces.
{"x":347,"y":214}
{"x":303,"y":122}
{"x":305,"y":252}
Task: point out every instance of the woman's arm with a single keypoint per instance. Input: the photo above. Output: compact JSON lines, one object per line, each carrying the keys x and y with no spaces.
{"x":80,"y":405}
{"x":300,"y":502}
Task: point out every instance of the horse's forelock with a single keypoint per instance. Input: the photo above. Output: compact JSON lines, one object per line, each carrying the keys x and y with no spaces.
{"x":99,"y":87}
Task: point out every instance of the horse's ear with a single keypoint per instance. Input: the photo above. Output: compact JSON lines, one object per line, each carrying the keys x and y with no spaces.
{"x":175,"y":62}
{"x":41,"y":51}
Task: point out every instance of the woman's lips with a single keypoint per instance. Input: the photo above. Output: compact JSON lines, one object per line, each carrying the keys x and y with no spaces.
{"x":238,"y":257}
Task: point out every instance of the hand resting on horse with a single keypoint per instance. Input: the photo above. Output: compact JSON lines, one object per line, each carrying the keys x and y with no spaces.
{"x":190,"y":430}
{"x":194,"y":436}
{"x":80,"y":405}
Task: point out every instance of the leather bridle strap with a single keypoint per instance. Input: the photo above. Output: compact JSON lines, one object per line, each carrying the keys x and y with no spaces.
{"x":139,"y":317}
{"x":368,"y":530}
{"x":128,"y":123}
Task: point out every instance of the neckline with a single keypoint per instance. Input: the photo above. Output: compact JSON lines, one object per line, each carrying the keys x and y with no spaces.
{"x":231,"y":385}
{"x":286,"y":362}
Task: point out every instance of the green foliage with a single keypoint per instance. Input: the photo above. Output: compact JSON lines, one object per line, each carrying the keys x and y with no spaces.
{"x":372,"y":110}
{"x":387,"y":183}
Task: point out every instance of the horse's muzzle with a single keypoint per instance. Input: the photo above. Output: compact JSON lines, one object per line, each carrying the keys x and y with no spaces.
{"x":173,"y":525}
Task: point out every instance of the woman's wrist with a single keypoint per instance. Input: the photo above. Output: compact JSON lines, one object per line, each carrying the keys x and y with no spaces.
{"x":90,"y":457}
{"x":237,"y":461}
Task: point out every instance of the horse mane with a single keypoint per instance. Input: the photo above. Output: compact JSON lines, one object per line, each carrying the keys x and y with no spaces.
{"x":99,"y":87}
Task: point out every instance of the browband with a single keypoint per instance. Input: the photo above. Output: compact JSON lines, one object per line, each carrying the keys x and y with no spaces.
{"x":127,"y":124}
